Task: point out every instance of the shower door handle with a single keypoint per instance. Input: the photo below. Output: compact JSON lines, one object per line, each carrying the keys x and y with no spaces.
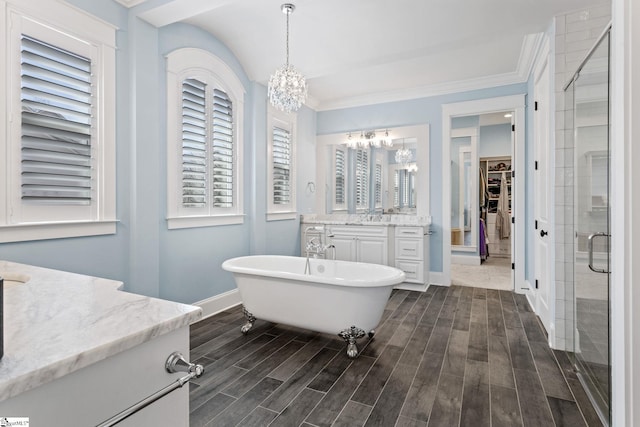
{"x":590,"y":251}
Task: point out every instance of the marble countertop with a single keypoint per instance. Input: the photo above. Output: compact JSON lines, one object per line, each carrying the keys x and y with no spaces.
{"x":57,"y":322}
{"x":374,"y":220}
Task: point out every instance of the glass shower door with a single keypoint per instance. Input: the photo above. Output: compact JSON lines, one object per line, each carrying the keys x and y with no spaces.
{"x":591,"y":227}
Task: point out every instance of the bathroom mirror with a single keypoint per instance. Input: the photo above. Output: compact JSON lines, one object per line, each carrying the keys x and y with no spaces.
{"x":372,"y":179}
{"x":463,"y":182}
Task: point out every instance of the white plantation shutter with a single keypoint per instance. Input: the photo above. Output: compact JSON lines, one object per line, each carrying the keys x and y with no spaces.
{"x":402,"y":184}
{"x":340,"y":171}
{"x":405,"y":187}
{"x":194,"y":144}
{"x":223,"y":147}
{"x":396,"y":188}
{"x":378,"y":185}
{"x":281,"y":166}
{"x":362,"y":178}
{"x":56,"y":100}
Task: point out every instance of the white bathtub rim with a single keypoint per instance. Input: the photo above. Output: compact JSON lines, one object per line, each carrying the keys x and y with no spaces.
{"x":395,"y":276}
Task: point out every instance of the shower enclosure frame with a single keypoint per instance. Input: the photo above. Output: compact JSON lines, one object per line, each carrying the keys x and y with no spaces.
{"x":588,"y":335}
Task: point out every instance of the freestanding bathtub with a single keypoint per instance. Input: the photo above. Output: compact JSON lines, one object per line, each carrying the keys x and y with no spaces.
{"x":335,"y":297}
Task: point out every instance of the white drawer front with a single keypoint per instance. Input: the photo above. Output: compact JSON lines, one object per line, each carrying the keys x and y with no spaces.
{"x":359,"y":230}
{"x":409,"y":231}
{"x":413,"y":270}
{"x":409,"y":248}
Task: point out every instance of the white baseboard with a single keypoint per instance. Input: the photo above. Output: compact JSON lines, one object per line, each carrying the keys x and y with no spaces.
{"x":465,"y":259}
{"x":411,"y":287}
{"x":218,"y":303}
{"x":437,"y":278}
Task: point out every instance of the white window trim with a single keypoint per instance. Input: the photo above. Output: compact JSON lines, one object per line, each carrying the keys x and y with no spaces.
{"x":287,"y":122}
{"x":68,"y":22}
{"x":186,"y":63}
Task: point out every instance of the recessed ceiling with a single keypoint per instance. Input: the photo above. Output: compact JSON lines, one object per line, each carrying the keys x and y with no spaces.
{"x":356,"y":52}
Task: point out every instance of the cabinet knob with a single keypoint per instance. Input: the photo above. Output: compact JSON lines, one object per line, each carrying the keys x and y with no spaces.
{"x":543,"y":233}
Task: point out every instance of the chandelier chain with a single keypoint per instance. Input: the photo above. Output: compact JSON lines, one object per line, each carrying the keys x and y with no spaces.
{"x":288,"y":13}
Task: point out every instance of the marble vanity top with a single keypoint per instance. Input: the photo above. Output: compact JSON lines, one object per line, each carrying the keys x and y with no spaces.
{"x":57,"y":322}
{"x":367,"y":220}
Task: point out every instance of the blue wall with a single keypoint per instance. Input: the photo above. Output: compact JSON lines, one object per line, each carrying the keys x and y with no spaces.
{"x":408,"y":113}
{"x":183,"y":264}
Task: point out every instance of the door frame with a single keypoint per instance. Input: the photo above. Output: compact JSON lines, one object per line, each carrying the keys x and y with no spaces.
{"x":515,"y":103}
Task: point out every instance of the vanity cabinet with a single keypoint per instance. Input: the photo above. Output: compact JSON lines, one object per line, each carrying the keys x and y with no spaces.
{"x":360,"y":243}
{"x":99,"y":391}
{"x":412,"y":253}
{"x":405,"y":247}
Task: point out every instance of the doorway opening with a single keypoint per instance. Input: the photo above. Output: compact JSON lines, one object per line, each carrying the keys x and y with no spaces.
{"x":458,"y":122}
{"x":481,"y":196}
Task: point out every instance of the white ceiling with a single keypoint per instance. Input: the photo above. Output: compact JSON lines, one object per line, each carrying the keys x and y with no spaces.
{"x":357,"y":52}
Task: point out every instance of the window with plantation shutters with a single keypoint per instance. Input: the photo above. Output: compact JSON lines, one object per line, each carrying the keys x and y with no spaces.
{"x":58,"y":121}
{"x":340,"y":171}
{"x":396,"y":188}
{"x":405,"y":188}
{"x":378,"y":186}
{"x":403,"y":195}
{"x":204,"y":105}
{"x":362,"y":179}
{"x":207,"y":146}
{"x":56,"y":97}
{"x":281,"y":166}
{"x":281,"y":172}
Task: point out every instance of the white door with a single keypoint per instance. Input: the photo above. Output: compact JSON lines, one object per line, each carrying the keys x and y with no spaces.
{"x":543,"y":197}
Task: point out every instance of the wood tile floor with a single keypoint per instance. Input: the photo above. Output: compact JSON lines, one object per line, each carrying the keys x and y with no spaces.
{"x":457,"y":356}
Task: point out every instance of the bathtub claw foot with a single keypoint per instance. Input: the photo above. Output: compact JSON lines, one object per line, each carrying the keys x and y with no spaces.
{"x":250,"y":321}
{"x":350,"y":335}
{"x":352,"y":351}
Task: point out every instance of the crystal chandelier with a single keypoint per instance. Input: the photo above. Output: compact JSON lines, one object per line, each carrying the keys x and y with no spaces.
{"x":404,"y":156}
{"x":287,"y":87}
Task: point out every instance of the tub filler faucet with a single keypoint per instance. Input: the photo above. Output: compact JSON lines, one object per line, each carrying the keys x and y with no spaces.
{"x":315,"y":247}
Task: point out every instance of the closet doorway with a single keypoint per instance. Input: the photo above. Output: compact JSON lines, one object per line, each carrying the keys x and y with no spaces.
{"x":481,"y":172}
{"x":482,"y":151}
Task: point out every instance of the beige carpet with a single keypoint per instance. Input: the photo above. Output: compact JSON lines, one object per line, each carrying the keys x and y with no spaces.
{"x":494,"y":273}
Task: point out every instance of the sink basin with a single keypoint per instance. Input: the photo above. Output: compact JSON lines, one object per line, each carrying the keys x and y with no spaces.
{"x":12,"y":279}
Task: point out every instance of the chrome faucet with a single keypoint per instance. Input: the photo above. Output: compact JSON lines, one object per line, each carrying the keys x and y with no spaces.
{"x":315,"y":247}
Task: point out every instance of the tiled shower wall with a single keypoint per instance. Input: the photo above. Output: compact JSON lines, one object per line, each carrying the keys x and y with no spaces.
{"x":575,"y":34}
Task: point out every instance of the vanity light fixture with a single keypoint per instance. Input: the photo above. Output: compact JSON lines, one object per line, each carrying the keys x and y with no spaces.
{"x":507,"y":115}
{"x":287,"y":89}
{"x":369,"y":139}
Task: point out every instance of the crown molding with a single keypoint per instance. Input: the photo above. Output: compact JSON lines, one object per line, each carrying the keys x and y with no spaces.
{"x":530,"y":47}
